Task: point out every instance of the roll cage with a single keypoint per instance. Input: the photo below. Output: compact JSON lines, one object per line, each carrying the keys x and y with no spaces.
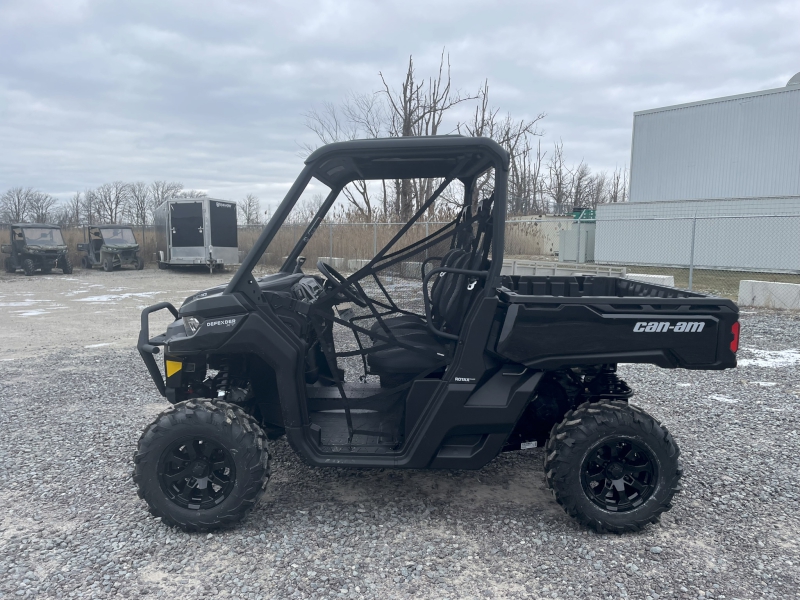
{"x":411,"y":338}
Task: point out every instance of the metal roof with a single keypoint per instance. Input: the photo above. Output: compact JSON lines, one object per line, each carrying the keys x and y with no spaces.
{"x":779,"y":90}
{"x":39,"y":225}
{"x":406,"y":157}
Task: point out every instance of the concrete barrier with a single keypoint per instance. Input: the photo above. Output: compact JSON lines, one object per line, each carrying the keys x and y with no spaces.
{"x":336,"y":263}
{"x":656,"y":279}
{"x":354,"y":264}
{"x":555,"y":269}
{"x":769,"y":294}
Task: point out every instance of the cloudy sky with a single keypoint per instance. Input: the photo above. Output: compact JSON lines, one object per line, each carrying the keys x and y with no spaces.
{"x":212,"y":94}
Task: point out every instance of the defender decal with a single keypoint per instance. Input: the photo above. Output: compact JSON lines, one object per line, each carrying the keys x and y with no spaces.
{"x":662,"y":326}
{"x":221,"y":323}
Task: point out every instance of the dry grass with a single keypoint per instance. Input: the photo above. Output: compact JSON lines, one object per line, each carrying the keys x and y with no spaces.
{"x":359,"y":241}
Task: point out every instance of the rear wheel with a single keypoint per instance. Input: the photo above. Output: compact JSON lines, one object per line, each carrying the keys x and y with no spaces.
{"x":28,"y":267}
{"x":9,"y":264}
{"x":85,"y":264}
{"x":202,"y":465}
{"x":65,"y":264}
{"x":612,"y":466}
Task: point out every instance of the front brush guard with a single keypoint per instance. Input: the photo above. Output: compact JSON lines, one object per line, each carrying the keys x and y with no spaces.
{"x":148,"y":348}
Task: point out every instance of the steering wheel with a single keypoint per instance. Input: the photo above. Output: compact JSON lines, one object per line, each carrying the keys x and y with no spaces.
{"x":347,"y":288}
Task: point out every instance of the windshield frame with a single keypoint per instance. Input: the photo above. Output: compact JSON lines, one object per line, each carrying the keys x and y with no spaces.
{"x":333,"y":166}
{"x":53,"y":231}
{"x":121,"y":228}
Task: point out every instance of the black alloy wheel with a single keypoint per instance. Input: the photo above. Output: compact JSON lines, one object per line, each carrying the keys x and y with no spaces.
{"x":612,"y":467}
{"x":202,"y":465}
{"x":196,"y":473}
{"x":619,"y":475}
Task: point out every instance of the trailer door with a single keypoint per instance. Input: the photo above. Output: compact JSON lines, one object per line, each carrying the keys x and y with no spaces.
{"x":223,"y":224}
{"x":186,"y":221}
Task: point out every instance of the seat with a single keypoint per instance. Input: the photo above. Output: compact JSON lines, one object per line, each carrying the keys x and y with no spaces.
{"x":450,"y":301}
{"x":396,"y":360}
{"x":438,"y":301}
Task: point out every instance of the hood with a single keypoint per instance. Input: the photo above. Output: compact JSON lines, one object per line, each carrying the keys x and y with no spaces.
{"x":118,"y":247}
{"x":214,"y":291}
{"x":36,"y":248}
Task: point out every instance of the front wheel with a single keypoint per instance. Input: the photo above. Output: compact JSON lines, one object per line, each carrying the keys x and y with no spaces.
{"x":139,"y":264}
{"x":612,"y":467}
{"x":28,"y":267}
{"x":202,"y":465}
{"x":108,"y":265}
{"x":65,"y":264}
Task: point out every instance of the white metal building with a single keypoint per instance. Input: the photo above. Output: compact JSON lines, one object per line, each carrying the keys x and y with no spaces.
{"x":726,"y":170}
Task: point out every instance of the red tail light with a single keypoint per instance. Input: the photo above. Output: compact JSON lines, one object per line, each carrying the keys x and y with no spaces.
{"x":735,"y":341}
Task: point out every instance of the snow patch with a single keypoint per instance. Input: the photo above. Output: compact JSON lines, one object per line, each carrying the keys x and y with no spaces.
{"x":764,"y":383}
{"x":116,"y":297}
{"x":771,"y":358}
{"x":98,"y":345}
{"x":725,"y":399}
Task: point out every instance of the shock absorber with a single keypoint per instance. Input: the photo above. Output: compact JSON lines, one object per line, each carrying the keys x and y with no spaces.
{"x":607,"y":384}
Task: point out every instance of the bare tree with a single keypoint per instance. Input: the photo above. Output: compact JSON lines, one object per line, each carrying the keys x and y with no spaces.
{"x":14,"y":204}
{"x":111,"y":201}
{"x":250,"y":210}
{"x":558,"y":179}
{"x":360,"y":116}
{"x":161,"y":191}
{"x":618,"y":186}
{"x":139,"y":207}
{"x":40,"y":207}
{"x":515,"y":136}
{"x":598,"y":189}
{"x":418,"y":108}
{"x":191,"y":194}
{"x":89,"y":206}
{"x":580,"y":185}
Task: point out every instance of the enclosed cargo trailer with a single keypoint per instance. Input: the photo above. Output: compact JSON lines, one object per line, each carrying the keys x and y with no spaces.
{"x":196,"y":231}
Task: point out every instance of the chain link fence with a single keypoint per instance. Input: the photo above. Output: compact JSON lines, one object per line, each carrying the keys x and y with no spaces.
{"x":710,"y":254}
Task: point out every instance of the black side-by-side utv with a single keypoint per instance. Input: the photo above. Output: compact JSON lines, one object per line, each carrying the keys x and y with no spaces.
{"x":457,"y":362}
{"x":36,"y":247}
{"x":110,"y":246}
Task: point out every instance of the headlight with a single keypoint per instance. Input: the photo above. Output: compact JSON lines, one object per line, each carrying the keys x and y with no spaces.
{"x":191,"y":324}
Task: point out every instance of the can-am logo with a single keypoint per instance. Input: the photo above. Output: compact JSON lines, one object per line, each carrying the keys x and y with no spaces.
{"x":662,"y":326}
{"x":225,"y":322}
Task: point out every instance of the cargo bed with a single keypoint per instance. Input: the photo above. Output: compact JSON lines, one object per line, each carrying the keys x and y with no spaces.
{"x":555,"y":322}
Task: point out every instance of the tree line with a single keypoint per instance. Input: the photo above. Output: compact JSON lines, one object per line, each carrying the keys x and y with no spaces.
{"x":110,"y":203}
{"x":541,"y":180}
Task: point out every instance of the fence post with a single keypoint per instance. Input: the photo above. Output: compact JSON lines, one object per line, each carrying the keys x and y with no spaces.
{"x":578,"y":251}
{"x":374,"y":239}
{"x":691,"y":252}
{"x":330,"y":241}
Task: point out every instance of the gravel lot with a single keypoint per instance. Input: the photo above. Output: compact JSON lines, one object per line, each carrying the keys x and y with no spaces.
{"x":75,"y":397}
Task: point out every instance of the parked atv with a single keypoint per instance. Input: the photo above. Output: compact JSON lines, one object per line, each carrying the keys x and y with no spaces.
{"x":35,"y":246}
{"x":110,"y":246}
{"x":449,"y":362}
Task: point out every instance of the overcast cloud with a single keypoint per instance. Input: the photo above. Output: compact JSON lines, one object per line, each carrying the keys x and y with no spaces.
{"x":212,"y":94}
